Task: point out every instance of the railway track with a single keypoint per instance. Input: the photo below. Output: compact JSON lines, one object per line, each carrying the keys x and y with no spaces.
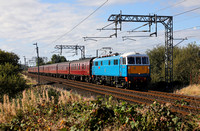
{"x":178,"y":103}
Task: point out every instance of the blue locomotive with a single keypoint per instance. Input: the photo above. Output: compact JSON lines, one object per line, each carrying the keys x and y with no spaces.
{"x":129,"y":70}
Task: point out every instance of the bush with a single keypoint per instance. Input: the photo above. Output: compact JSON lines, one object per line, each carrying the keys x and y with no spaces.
{"x":11,"y":81}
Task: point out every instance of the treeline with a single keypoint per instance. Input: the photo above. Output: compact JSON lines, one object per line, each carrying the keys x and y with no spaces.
{"x":10,"y":79}
{"x":186,"y":64}
{"x":54,"y":59}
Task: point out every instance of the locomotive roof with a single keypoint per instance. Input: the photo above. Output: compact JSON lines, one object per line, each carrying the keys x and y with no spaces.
{"x":132,"y":54}
{"x":123,"y":55}
{"x":106,"y":58}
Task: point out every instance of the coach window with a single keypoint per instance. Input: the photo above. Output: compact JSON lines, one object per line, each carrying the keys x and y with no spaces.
{"x":138,"y":60}
{"x":79,"y":66}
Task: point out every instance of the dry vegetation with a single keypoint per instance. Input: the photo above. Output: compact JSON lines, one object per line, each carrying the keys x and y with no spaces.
{"x":29,"y":81}
{"x":36,"y":102}
{"x":193,"y":90}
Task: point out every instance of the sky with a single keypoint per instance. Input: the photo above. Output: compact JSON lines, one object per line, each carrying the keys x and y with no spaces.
{"x":65,"y":22}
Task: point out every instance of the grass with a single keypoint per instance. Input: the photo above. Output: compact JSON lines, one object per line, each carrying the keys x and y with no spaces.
{"x":29,"y":81}
{"x":192,"y":90}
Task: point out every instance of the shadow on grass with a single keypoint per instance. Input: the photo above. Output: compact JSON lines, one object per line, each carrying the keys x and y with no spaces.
{"x":165,"y":87}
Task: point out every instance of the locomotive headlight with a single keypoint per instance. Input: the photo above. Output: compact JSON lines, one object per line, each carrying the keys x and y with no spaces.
{"x":138,"y":73}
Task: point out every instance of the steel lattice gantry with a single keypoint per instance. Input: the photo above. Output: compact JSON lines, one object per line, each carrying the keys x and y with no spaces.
{"x":73,"y":47}
{"x":167,"y":21}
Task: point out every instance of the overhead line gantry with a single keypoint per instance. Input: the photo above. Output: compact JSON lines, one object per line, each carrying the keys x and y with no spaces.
{"x":167,"y":21}
{"x":73,"y":47}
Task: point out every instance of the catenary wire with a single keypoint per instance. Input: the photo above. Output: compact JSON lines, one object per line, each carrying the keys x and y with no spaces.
{"x":186,"y":11}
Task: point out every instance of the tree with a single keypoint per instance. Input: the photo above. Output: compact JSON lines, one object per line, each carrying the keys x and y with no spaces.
{"x":57,"y":59}
{"x":6,"y":57}
{"x":41,"y":61}
{"x":186,"y":63}
{"x":157,"y":57}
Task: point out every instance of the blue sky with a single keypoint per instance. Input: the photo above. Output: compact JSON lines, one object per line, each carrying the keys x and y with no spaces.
{"x":45,"y":21}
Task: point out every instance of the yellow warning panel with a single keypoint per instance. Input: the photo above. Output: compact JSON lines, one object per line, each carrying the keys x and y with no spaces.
{"x":138,"y":69}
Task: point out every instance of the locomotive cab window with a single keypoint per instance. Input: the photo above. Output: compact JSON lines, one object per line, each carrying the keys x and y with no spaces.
{"x":131,"y":60}
{"x":124,"y":60}
{"x":96,"y":63}
{"x":145,"y":60}
{"x":101,"y":62}
{"x":138,"y":60}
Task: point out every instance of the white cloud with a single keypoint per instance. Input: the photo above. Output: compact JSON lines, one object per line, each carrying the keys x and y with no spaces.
{"x":110,"y":2}
{"x":190,"y":3}
{"x":24,"y":22}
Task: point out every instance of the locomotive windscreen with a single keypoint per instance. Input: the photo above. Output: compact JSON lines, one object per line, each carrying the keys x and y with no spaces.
{"x":138,"y":60}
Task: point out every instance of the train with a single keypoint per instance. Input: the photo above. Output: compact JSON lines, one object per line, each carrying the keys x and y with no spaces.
{"x":128,"y":70}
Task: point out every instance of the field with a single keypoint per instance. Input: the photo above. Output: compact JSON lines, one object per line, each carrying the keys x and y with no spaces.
{"x":50,"y":108}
